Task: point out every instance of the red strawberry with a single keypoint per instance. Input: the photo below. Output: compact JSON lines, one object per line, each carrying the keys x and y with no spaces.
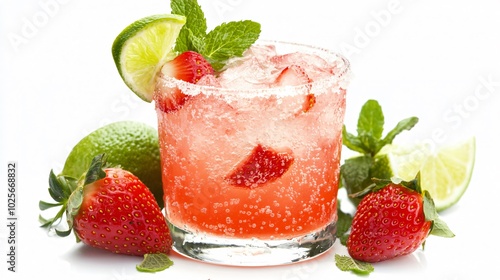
{"x":309,"y":102}
{"x":295,"y":75}
{"x":392,"y":221}
{"x":263,"y":165}
{"x":190,"y":67}
{"x":112,"y":210}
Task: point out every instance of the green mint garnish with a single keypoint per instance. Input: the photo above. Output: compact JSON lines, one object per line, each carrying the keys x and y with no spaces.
{"x":195,"y":26}
{"x":228,"y":40}
{"x":357,"y":172}
{"x":346,"y":263}
{"x":344,"y":221}
{"x":154,"y":263}
{"x":370,"y":128}
{"x":217,"y":46}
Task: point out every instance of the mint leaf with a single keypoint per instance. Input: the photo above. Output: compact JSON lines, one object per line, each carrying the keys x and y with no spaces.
{"x":197,"y":43}
{"x":196,"y":23}
{"x":405,"y":124}
{"x":370,"y":125}
{"x":352,"y":142}
{"x":355,"y":175}
{"x":346,"y":263}
{"x":223,"y":42}
{"x":228,"y":40}
{"x":154,"y":263}
{"x":344,"y":222}
{"x":370,"y":128}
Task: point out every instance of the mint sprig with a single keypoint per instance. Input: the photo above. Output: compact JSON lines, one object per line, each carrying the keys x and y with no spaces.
{"x":217,"y":46}
{"x":344,"y":221}
{"x":195,"y":26}
{"x":228,"y":40}
{"x":369,"y":140}
{"x":154,"y":263}
{"x":357,"y":172}
{"x":346,"y":263}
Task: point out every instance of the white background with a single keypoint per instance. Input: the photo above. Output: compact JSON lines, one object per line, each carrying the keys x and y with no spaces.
{"x":437,"y":60}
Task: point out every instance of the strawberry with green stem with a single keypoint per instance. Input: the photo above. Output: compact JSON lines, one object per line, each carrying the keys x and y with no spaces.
{"x":111,"y":209}
{"x":393,"y":219}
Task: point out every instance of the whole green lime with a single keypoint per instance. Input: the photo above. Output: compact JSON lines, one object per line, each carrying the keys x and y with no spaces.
{"x":130,"y":145}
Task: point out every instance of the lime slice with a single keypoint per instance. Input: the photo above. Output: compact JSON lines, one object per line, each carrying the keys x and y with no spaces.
{"x":142,"y":48}
{"x":445,"y":173}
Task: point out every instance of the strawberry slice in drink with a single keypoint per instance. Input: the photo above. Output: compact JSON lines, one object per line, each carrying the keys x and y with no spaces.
{"x":263,"y":165}
{"x":189,"y":67}
{"x":295,"y":75}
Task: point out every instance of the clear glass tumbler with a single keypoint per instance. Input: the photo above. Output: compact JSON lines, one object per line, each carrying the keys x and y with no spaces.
{"x":250,"y":175}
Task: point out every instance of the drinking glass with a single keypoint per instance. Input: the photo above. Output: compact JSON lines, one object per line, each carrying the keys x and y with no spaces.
{"x":251,"y":173}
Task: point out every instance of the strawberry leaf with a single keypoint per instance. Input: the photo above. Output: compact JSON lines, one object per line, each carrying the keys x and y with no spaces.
{"x":430,"y":212}
{"x":439,"y":227}
{"x":95,"y":171}
{"x":44,"y":222}
{"x":73,"y":205}
{"x":63,"y":233}
{"x":42,"y":205}
{"x":58,"y":189}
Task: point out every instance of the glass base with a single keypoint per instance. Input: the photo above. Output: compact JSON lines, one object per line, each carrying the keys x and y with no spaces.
{"x":253,"y":252}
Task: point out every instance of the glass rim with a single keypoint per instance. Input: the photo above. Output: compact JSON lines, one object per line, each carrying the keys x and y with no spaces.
{"x":271,"y":91}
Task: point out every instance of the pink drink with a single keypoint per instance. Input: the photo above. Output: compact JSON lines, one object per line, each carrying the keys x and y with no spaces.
{"x":251,"y":159}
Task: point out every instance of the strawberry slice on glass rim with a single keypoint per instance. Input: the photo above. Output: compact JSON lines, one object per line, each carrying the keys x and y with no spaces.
{"x":190,"y":67}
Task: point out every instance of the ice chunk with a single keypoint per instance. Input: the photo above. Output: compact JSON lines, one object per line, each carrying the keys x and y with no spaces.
{"x":315,"y":66}
{"x":209,"y":80}
{"x":292,"y":75}
{"x":252,"y":70}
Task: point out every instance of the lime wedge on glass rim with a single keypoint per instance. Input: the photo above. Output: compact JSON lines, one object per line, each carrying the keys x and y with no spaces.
{"x":444,"y":172}
{"x":142,"y":48}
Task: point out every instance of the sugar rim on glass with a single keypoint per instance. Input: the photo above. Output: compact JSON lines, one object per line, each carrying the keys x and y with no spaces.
{"x":339,"y":80}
